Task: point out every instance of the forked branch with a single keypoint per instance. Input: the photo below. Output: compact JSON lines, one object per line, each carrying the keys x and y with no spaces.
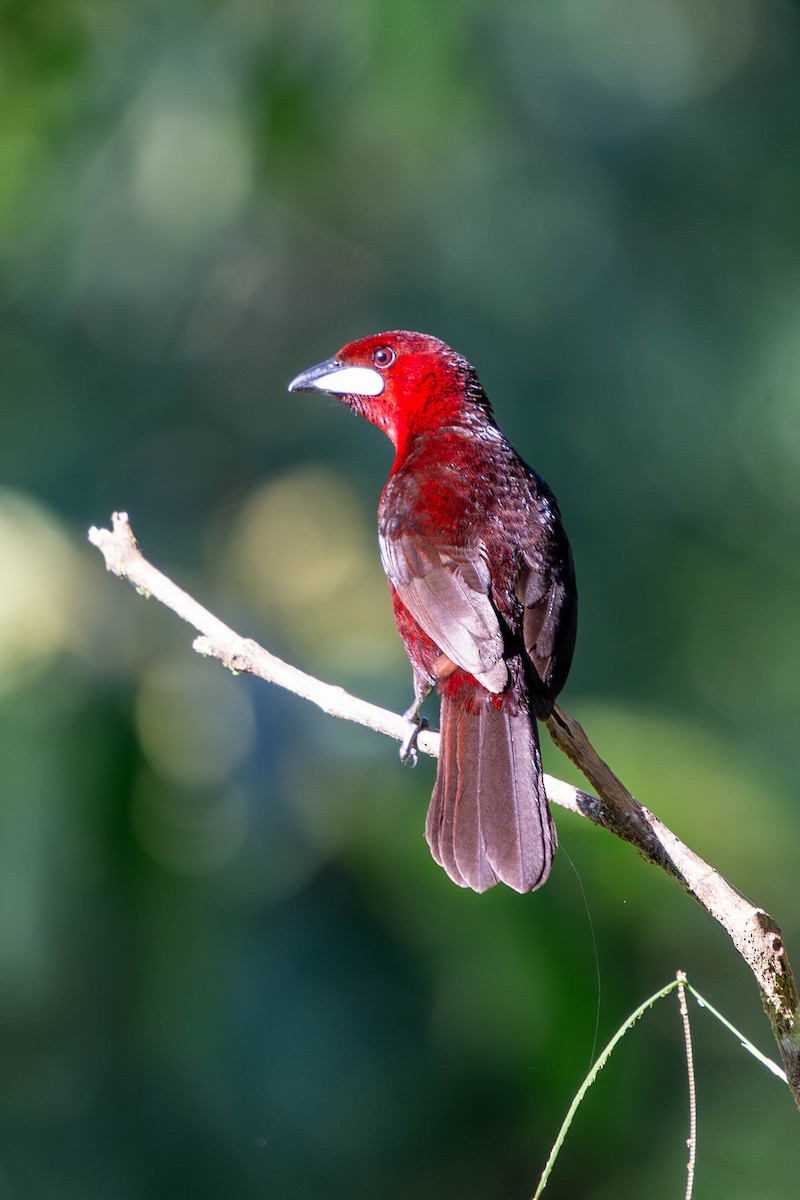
{"x":753,"y":932}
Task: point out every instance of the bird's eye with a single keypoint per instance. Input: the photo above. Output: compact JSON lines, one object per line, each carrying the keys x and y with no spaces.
{"x":384,"y":356}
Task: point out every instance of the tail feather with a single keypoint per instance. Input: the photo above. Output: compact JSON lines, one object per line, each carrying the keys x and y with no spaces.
{"x":488,"y":819}
{"x":439,"y":823}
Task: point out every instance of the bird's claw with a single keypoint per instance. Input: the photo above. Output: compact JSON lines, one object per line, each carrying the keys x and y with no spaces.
{"x":408,"y":746}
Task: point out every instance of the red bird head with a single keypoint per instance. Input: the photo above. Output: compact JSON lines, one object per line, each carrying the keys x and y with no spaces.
{"x":402,"y":382}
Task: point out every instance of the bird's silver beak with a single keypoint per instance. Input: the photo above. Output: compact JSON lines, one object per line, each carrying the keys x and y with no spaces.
{"x":331,"y":376}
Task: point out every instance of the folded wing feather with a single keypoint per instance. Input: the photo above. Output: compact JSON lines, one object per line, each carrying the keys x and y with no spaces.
{"x":447,"y":591}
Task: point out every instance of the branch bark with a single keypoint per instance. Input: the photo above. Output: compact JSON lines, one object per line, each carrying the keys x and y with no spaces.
{"x":753,"y":932}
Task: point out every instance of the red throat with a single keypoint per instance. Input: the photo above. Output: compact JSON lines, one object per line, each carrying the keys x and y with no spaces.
{"x":424,"y":387}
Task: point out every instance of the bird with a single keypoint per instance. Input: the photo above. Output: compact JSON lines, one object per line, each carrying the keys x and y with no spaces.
{"x":483,"y":587}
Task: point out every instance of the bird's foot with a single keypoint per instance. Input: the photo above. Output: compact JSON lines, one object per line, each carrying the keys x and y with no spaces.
{"x":408,"y":746}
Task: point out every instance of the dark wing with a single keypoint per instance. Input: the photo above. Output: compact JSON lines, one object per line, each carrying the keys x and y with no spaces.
{"x":446,"y":590}
{"x":545,"y":588}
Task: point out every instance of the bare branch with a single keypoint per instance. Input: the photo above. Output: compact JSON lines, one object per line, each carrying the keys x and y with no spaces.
{"x":753,"y":932}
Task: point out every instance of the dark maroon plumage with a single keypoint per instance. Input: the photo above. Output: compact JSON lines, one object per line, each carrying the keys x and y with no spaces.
{"x":484,"y":595}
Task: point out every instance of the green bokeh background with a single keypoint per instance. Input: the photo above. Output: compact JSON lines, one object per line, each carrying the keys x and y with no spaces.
{"x":228,"y":966}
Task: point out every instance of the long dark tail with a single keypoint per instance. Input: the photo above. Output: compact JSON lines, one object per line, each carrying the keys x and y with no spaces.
{"x":488,"y":819}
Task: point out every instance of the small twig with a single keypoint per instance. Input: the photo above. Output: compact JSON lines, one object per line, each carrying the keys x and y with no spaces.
{"x":744,"y":1042}
{"x":691,"y":1141}
{"x":753,"y":932}
{"x":594,"y":1071}
{"x":680,"y":983}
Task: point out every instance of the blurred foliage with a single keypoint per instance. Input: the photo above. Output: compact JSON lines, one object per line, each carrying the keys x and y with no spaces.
{"x":229,"y":966}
